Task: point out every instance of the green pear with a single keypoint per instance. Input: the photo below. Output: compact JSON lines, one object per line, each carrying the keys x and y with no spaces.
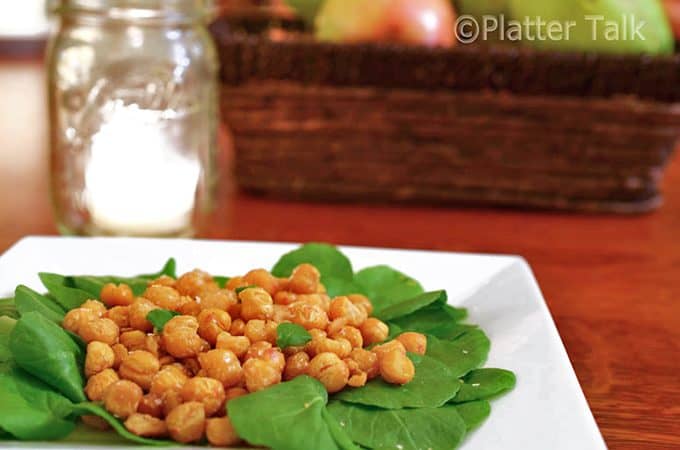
{"x":605,"y":26}
{"x":307,"y":9}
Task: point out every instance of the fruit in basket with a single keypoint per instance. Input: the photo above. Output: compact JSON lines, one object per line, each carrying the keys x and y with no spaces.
{"x":417,"y":22}
{"x":604,"y":26}
{"x":307,"y":9}
{"x":673,"y":11}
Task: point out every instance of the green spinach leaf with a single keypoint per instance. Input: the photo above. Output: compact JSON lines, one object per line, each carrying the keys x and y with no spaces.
{"x":46,"y":351}
{"x":341,"y":438}
{"x":328,"y":259}
{"x":8,"y":308}
{"x":482,"y":384}
{"x":432,"y":386}
{"x":474,"y":413}
{"x":400,"y":429}
{"x":6,"y":327}
{"x":436,"y":319}
{"x":64,"y":291}
{"x":159,"y":317}
{"x":221,"y":281}
{"x":292,"y":412}
{"x":238,"y":290}
{"x":291,"y":335}
{"x":409,"y":306}
{"x":27,"y":300}
{"x":462,"y":355}
{"x":386,"y":286}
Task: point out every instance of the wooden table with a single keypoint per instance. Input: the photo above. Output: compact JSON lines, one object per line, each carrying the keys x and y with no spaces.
{"x":612,"y":283}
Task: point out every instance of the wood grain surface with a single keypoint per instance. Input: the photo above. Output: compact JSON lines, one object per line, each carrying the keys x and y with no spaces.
{"x":612,"y":283}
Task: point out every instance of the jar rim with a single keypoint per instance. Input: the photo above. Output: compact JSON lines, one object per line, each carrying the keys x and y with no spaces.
{"x":135,"y":9}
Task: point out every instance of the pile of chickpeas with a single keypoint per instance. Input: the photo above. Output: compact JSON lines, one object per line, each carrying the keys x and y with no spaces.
{"x":222,"y":345}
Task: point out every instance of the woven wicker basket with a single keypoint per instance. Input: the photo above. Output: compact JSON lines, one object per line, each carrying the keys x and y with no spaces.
{"x":470,"y":125}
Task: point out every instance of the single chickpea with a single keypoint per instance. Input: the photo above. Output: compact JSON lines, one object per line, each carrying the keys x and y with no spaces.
{"x":341,"y":347}
{"x":281,"y":314}
{"x":222,"y":299}
{"x":308,"y":316}
{"x":237,"y":344}
{"x":285,"y":298}
{"x":122,"y":398}
{"x":140,"y":366}
{"x":321,"y":300}
{"x":212,"y":322}
{"x":274,"y":356}
{"x":222,"y":365}
{"x":351,"y":334}
{"x":392,"y":346}
{"x":206,"y":390}
{"x":138,"y":312}
{"x":98,"y":384}
{"x":330,"y":370}
{"x":97,"y":307}
{"x":396,"y":367}
{"x":235,"y":283}
{"x":233,"y":393}
{"x":196,"y":284}
{"x":153,"y":344}
{"x":171,"y":400}
{"x":186,"y":423}
{"x":152,"y":405}
{"x":367,"y":361}
{"x":256,"y":303}
{"x":75,"y":319}
{"x":221,"y":433}
{"x":133,"y":340}
{"x":374,"y":331}
{"x":99,"y":357}
{"x":343,"y":307}
{"x":305,"y":279}
{"x":103,"y":330}
{"x":189,"y":307}
{"x":290,"y":351}
{"x":163,"y":280}
{"x":163,"y":296}
{"x":95,"y":422}
{"x":257,"y":350}
{"x":260,"y":374}
{"x":238,"y":327}
{"x":260,"y":330}
{"x":146,"y":426}
{"x":358,"y":380}
{"x":120,"y":295}
{"x":120,"y":315}
{"x":335,"y":326}
{"x":235,"y":311}
{"x":167,"y":379}
{"x":296,"y":365}
{"x":180,"y":337}
{"x":414,"y":342}
{"x":120,"y":353}
{"x":362,"y":301}
{"x":263,"y":279}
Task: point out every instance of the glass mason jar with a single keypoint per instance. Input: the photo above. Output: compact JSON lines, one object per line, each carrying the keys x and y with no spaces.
{"x":133,"y":115}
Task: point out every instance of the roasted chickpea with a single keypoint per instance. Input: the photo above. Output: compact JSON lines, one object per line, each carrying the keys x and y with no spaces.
{"x":396,"y":367}
{"x":180,"y":337}
{"x":308,"y":316}
{"x":146,"y":426}
{"x":257,"y":350}
{"x":275,"y":357}
{"x":235,"y":311}
{"x":259,"y":330}
{"x":189,"y":307}
{"x":358,"y":380}
{"x":152,"y":344}
{"x":392,"y":346}
{"x":122,"y":398}
{"x":196,"y":284}
{"x":222,"y":365}
{"x":367,"y":361}
{"x":238,"y":327}
{"x":75,"y":319}
{"x":102,"y":330}
{"x":281,"y":314}
{"x":138,"y":312}
{"x":133,"y":340}
{"x":99,"y":357}
{"x":256,"y":303}
{"x":212,"y":322}
{"x":208,"y":391}
{"x":140,"y":366}
{"x":414,"y":342}
{"x":263,"y":279}
{"x":321,"y":300}
{"x":152,"y":405}
{"x":234,"y":393}
{"x":120,"y":315}
{"x":222,"y":299}
{"x":166,"y":360}
{"x":192,"y":366}
{"x":260,"y":374}
{"x":186,"y":423}
{"x":163,"y":296}
{"x":120,"y":353}
{"x":341,"y":347}
{"x":163,"y":280}
{"x":305,"y":279}
{"x":343,"y":307}
{"x":99,"y":383}
{"x":97,"y":307}
{"x":351,"y":334}
{"x":171,"y":400}
{"x":362,"y":301}
{"x":330,"y":370}
{"x":335,"y":326}
{"x":374,"y":331}
{"x":120,"y":295}
{"x":221,"y":433}
{"x":237,"y":344}
{"x":235,"y":283}
{"x":167,"y":379}
{"x":285,"y":298}
{"x":296,"y":365}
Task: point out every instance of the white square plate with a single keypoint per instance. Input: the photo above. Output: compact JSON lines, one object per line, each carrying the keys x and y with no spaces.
{"x":547,"y":409}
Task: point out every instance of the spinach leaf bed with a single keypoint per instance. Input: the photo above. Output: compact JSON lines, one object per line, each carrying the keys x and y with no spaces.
{"x":41,"y":368}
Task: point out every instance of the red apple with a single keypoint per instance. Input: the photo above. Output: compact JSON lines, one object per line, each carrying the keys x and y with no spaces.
{"x":673,"y":11}
{"x":418,"y":22}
